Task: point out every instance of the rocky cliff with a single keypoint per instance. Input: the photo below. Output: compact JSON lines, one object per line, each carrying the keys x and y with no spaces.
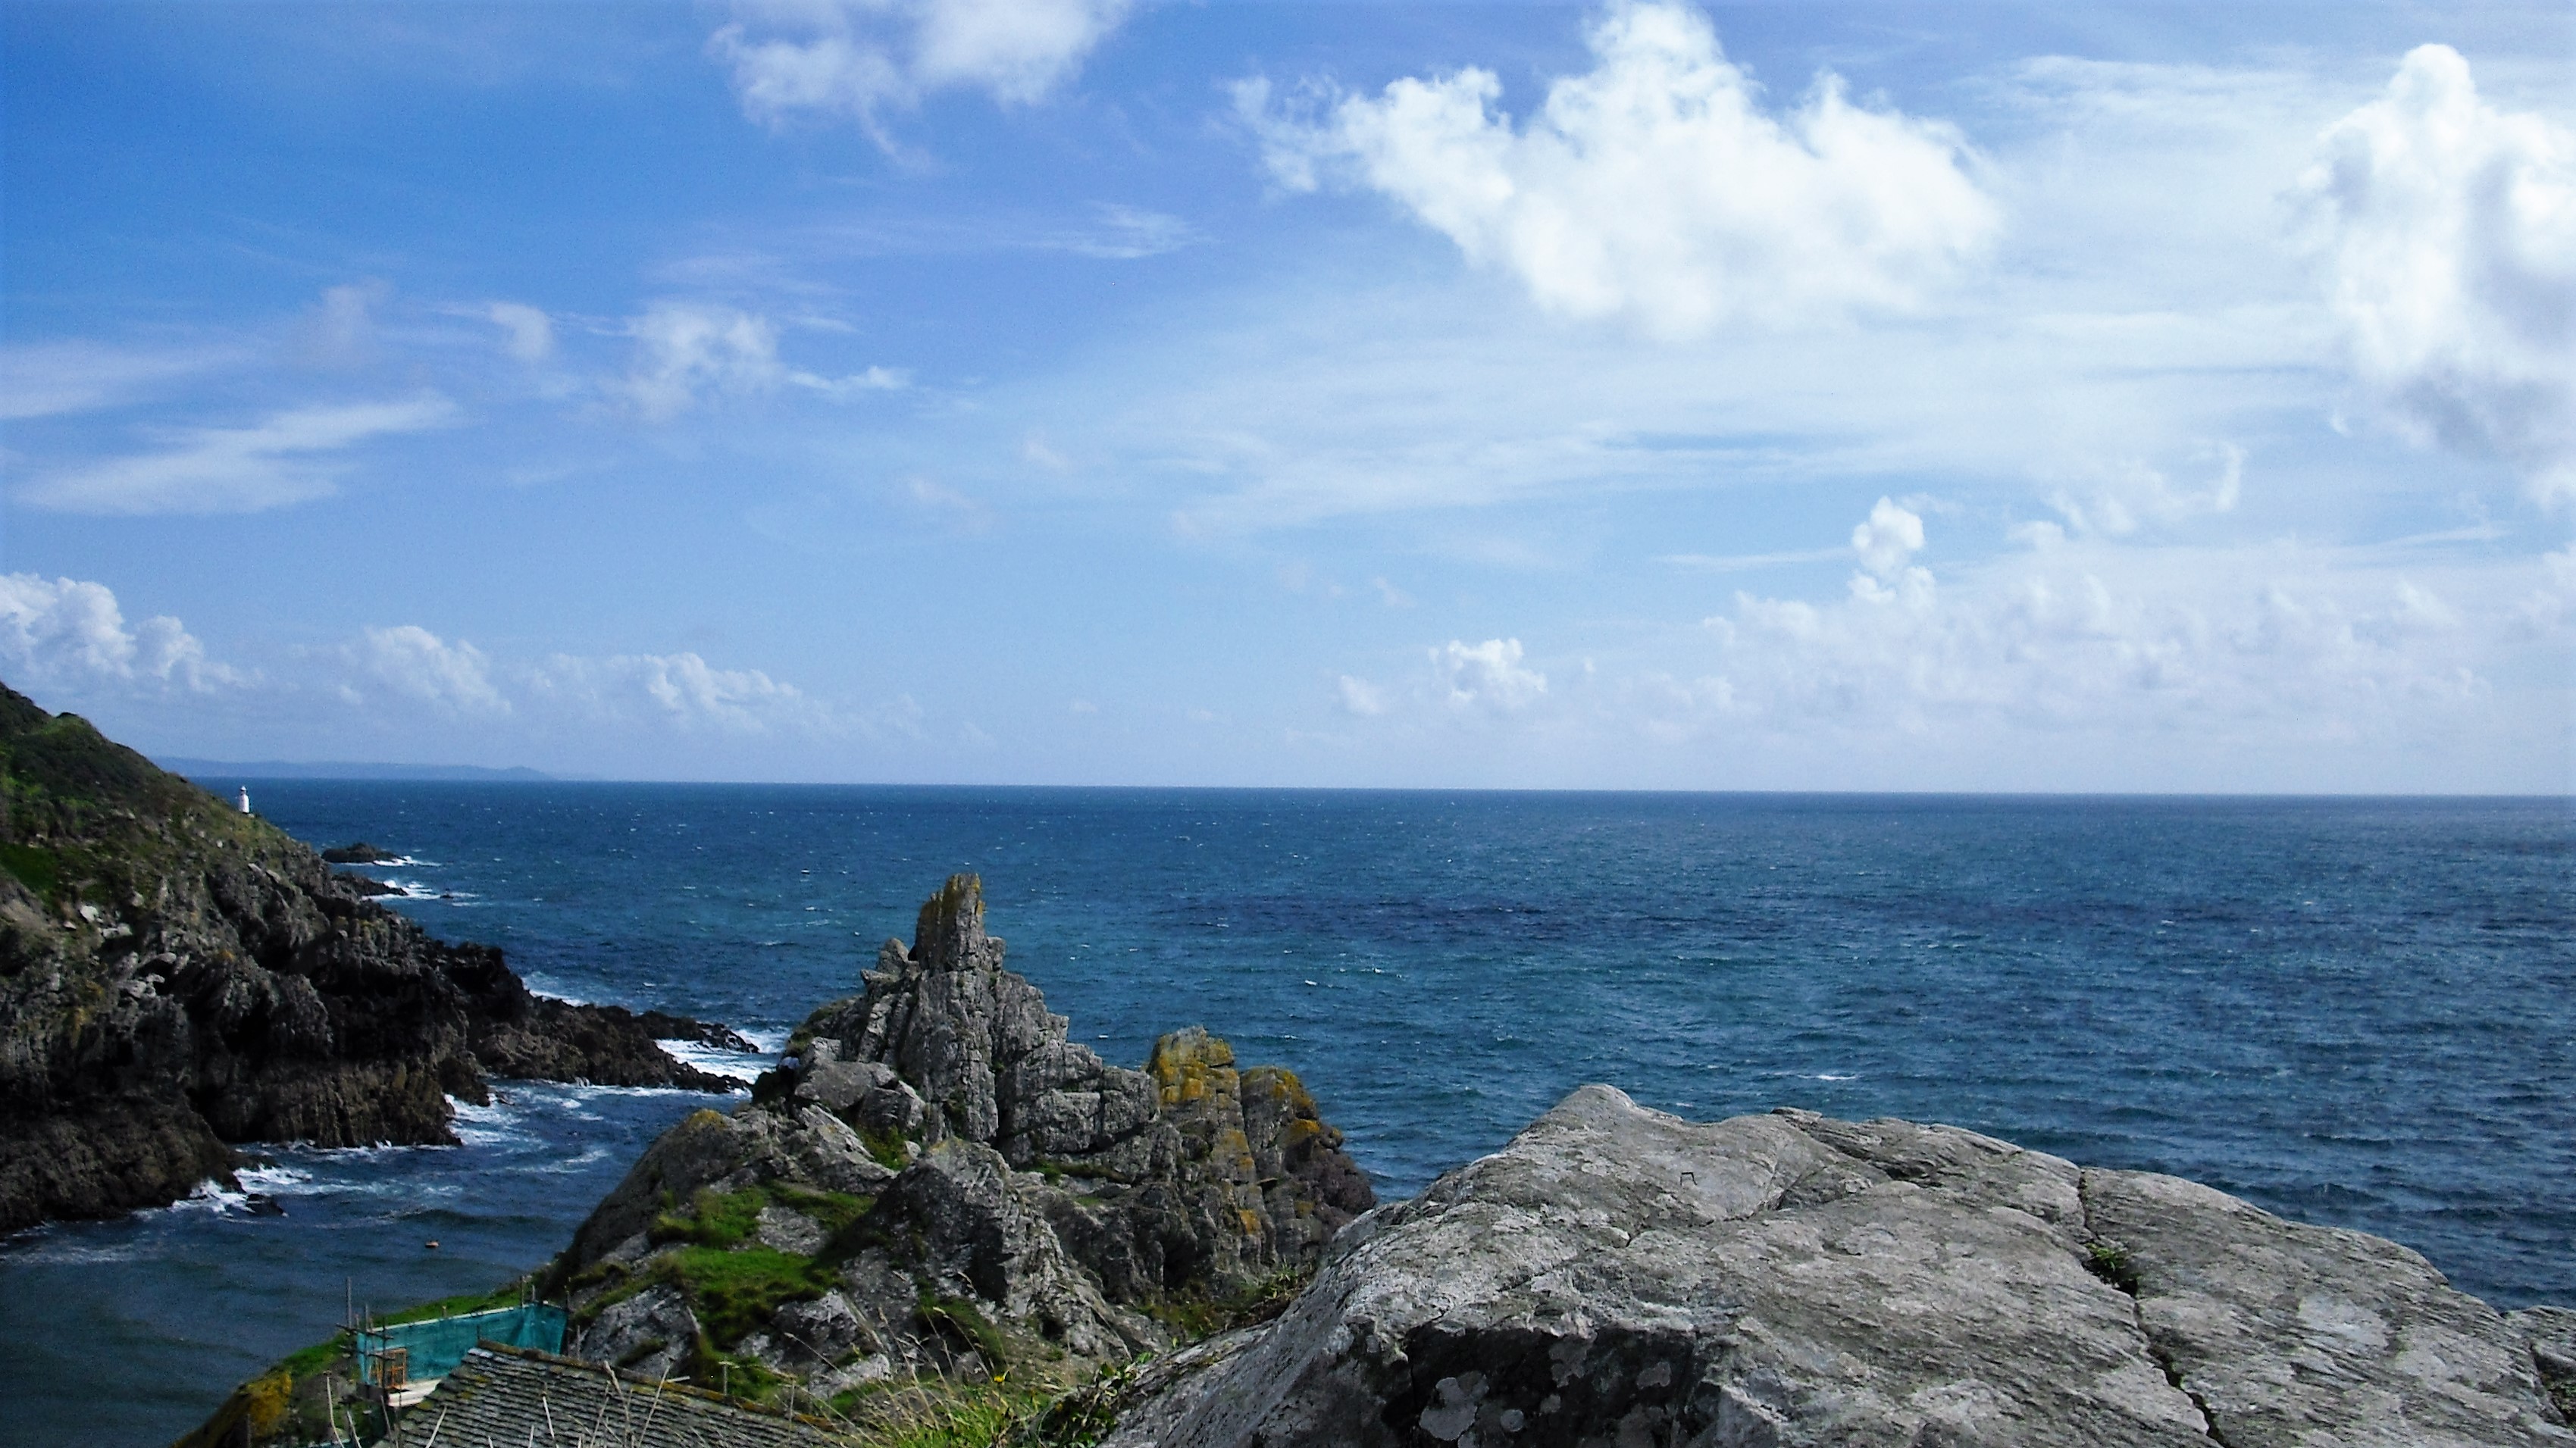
{"x":176,"y":976}
{"x":1618,"y":1276}
{"x":938,"y":1182}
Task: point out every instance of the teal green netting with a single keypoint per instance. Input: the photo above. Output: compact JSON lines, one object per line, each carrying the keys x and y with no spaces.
{"x":439,"y":1344}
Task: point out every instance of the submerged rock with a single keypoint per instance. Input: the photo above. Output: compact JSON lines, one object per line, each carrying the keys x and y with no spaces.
{"x":947,"y":1184}
{"x":1618,"y":1276}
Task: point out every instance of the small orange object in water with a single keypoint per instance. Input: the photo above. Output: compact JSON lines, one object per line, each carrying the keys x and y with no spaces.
{"x":433,"y":1244}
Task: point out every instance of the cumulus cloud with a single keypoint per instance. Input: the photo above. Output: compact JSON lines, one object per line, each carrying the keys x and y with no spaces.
{"x":2445,"y":234}
{"x":859,"y":58}
{"x":1887,"y":538}
{"x":1656,"y":188}
{"x":1488,"y":676}
{"x":70,"y":634}
{"x":2076,"y":633}
{"x":527,"y":333}
{"x":682,"y":690}
{"x":284,"y":459}
{"x":2116,"y":500}
{"x":418,"y":665}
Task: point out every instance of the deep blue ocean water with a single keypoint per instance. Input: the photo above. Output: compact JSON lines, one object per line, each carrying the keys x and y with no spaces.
{"x":2359,"y":1012}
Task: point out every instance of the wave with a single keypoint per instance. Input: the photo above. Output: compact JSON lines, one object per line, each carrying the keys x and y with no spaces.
{"x":717,"y":1061}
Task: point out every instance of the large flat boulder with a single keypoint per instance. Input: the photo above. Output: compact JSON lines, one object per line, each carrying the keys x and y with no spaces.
{"x":1617,"y":1276}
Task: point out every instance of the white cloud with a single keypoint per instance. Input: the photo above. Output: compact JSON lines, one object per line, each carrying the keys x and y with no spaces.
{"x":1359,"y":696}
{"x":49,"y":379}
{"x":857,"y":58}
{"x":527,"y":332}
{"x":681,"y":690}
{"x":340,"y":330}
{"x":2445,"y":232}
{"x":683,"y":349}
{"x":2087,"y":635}
{"x":282,"y":460}
{"x":1655,"y":188}
{"x":1129,"y":233}
{"x":874,"y":379}
{"x":686,"y":350}
{"x":2116,"y":500}
{"x":71,"y":634}
{"x":418,"y":664}
{"x":1887,"y":538}
{"x":1487,"y":676}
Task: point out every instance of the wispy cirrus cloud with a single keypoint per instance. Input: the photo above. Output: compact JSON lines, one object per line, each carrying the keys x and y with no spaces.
{"x":54,"y":379}
{"x":291,"y":456}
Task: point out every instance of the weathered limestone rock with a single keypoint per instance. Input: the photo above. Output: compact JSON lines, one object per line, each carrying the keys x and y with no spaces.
{"x":999,"y":1196}
{"x":2285,"y":1333}
{"x":1619,"y":1276}
{"x":648,"y":1334}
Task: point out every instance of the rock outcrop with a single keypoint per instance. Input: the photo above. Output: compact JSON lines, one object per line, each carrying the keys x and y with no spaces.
{"x":937,"y":1181}
{"x":1618,"y":1276}
{"x":176,"y":976}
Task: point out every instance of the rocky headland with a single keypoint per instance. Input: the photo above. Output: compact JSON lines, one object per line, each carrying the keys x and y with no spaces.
{"x":938,"y":1184}
{"x":176,"y":976}
{"x":938,"y":1199}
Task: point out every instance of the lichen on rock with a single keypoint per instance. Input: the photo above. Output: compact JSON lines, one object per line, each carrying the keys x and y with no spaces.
{"x":1030,"y":1209}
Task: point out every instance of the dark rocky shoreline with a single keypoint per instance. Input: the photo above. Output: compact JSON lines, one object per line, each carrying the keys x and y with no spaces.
{"x":176,"y":977}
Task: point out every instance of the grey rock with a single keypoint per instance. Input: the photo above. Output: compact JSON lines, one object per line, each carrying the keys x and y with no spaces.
{"x":1618,"y":1276}
{"x":819,"y":1332}
{"x":787,"y":1231}
{"x":1044,"y":1196}
{"x":648,"y":1334}
{"x":2551,"y":1333}
{"x":2289,"y":1334}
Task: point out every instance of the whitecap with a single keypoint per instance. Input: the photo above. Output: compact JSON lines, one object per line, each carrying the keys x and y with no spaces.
{"x":717,"y":1061}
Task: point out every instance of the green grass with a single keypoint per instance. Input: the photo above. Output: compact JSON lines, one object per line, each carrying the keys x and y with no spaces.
{"x":508,"y":1294}
{"x":2110,"y":1262}
{"x":39,"y":870}
{"x":734,"y":1292}
{"x":965,"y":1324}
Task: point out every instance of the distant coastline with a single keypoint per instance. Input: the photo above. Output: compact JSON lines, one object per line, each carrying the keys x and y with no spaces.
{"x":205,"y":771}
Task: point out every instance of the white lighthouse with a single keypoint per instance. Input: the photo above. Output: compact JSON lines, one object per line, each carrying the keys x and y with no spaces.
{"x":245,"y":799}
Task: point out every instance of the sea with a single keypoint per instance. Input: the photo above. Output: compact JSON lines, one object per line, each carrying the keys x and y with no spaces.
{"x":2359,"y":1012}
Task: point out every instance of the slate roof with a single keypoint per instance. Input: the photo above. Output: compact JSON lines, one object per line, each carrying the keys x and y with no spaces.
{"x":502,"y":1397}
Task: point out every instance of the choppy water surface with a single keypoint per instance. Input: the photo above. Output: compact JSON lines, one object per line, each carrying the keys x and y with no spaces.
{"x":2356,"y":1012}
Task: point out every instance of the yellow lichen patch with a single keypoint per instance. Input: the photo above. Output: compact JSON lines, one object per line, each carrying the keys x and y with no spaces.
{"x":1249,"y":1220}
{"x":1190,"y":1065}
{"x":264,"y":1402}
{"x":1301,"y":1130}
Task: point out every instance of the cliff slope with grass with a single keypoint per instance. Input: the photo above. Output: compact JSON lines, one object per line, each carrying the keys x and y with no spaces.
{"x":176,"y":976}
{"x":938,"y":1188}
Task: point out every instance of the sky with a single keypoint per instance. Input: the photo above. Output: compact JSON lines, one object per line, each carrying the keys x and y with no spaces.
{"x":1639,"y":395}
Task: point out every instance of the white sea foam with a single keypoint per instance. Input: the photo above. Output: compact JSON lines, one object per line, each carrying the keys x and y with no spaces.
{"x":273,"y":1179}
{"x":717,"y":1061}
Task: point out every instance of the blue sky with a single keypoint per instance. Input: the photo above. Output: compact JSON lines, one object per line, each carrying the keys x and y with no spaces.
{"x":1089,"y":391}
